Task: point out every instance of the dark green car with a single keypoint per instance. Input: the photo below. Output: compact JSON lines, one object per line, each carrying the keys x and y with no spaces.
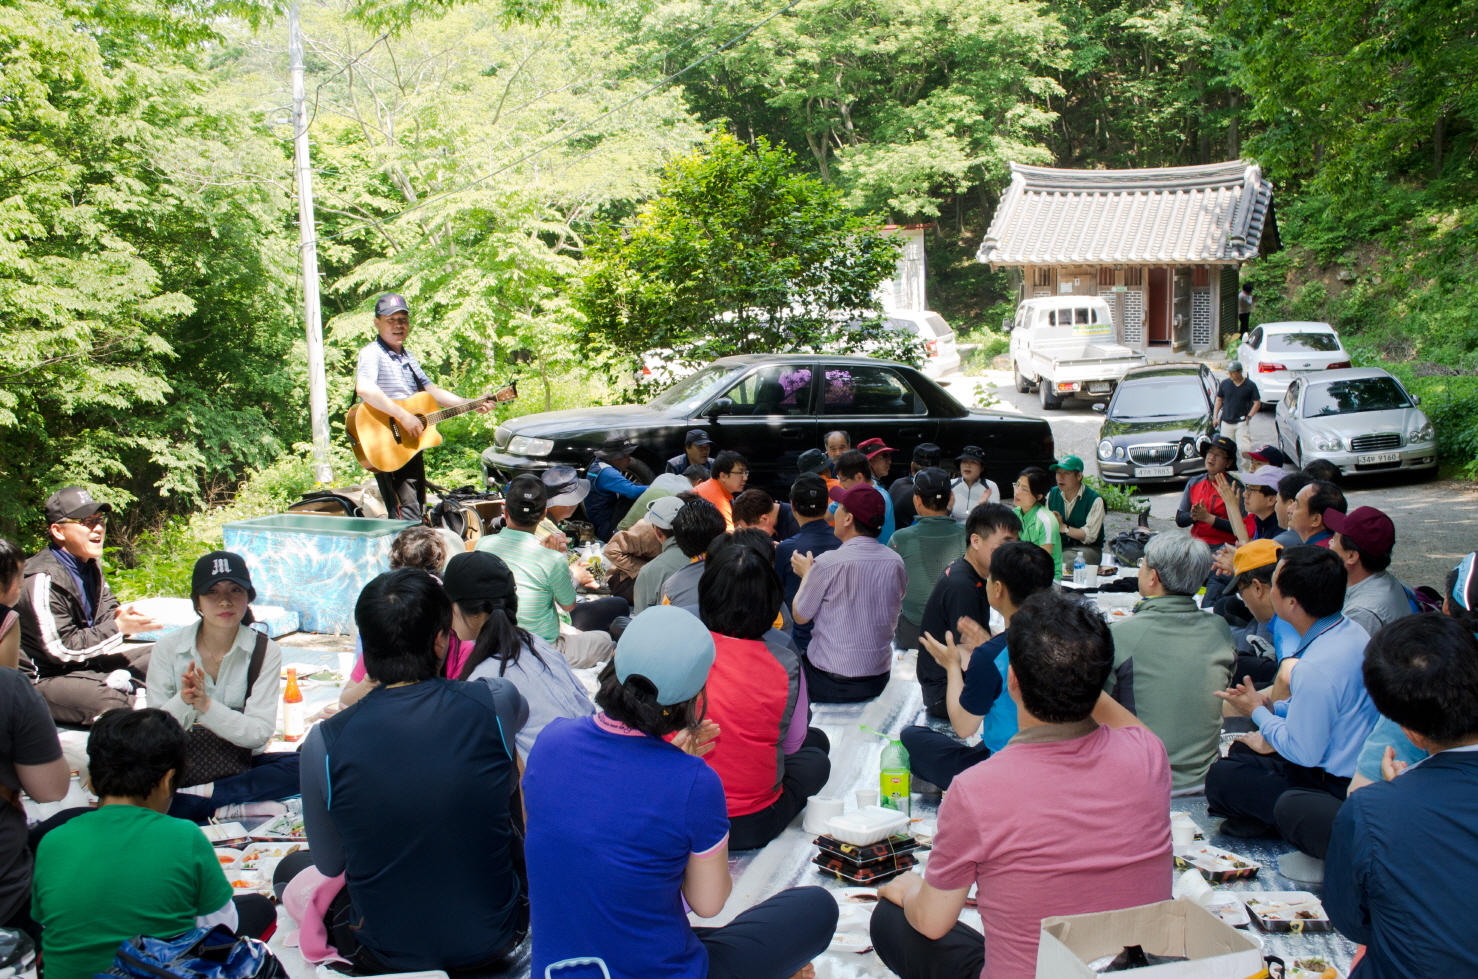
{"x":1154,"y":424}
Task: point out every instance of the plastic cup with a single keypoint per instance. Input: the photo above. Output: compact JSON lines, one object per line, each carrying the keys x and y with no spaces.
{"x":866,"y":797}
{"x":346,"y":664}
{"x":1182,"y":835}
{"x":819,"y":810}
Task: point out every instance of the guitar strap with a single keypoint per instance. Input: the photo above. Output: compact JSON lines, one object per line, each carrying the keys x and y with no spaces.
{"x":415,"y":378}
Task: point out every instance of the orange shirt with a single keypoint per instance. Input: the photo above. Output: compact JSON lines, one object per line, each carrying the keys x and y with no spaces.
{"x":713,"y":491}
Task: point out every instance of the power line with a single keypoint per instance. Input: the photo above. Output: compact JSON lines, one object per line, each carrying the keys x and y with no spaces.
{"x":381,"y":222}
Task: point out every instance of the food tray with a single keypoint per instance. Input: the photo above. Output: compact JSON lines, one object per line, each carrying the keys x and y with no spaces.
{"x":873,"y":852}
{"x":225,"y":834}
{"x":284,"y":827}
{"x":1308,"y":967}
{"x":872,"y":875}
{"x":1229,"y":908}
{"x":1264,"y":907}
{"x":868,"y":825}
{"x":852,"y":929}
{"x":1217,"y":865}
{"x":863,"y":897}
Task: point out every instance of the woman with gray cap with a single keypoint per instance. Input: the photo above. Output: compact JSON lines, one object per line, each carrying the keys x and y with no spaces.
{"x":220,"y":679}
{"x":485,"y":612}
{"x":609,"y":877}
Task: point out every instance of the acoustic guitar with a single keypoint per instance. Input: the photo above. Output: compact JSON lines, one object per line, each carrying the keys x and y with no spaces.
{"x":382,"y":446}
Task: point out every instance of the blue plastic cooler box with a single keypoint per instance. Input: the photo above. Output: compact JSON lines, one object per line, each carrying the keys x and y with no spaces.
{"x":313,"y":564}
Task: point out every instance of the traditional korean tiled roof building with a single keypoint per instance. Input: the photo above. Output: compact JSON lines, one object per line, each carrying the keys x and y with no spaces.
{"x":1163,"y":246}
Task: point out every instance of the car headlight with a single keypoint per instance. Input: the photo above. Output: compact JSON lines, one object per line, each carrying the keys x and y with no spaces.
{"x":1119,"y":452}
{"x":1188,"y":451}
{"x":1105,"y":449}
{"x":1327,"y":443}
{"x":522,"y":445}
{"x":1422,"y":431}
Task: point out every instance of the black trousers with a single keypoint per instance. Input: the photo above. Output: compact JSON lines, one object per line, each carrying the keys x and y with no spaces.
{"x":774,"y":939}
{"x":938,"y":758}
{"x":933,"y":684}
{"x":404,"y":490}
{"x":833,"y":688}
{"x":597,"y":615}
{"x":1246,"y":784}
{"x":806,"y":772}
{"x":960,"y":954}
{"x":1305,"y":818}
{"x":83,"y":695}
{"x":1262,"y":669}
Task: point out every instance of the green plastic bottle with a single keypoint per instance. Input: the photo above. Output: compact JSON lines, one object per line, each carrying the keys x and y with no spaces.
{"x":893,"y":781}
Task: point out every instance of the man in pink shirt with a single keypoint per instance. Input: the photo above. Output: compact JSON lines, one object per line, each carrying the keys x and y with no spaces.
{"x":1071,"y":817}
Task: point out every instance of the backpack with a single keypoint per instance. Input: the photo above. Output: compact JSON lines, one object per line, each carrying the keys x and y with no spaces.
{"x":197,"y":954}
{"x":1128,"y":547}
{"x":466,"y":512}
{"x":1423,"y":599}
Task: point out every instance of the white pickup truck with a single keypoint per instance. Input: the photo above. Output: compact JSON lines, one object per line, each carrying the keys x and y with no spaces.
{"x":1064,"y":347}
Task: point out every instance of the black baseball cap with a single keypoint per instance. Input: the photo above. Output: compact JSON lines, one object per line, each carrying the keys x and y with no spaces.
{"x":971,"y":452}
{"x":525,"y":498}
{"x":1224,"y":444}
{"x":696,"y":436}
{"x":808,"y":490}
{"x":391,"y":303}
{"x":927,"y":454}
{"x":813,"y":461}
{"x":73,"y":503}
{"x":479,"y":574}
{"x":931,"y":483}
{"x":221,"y":566}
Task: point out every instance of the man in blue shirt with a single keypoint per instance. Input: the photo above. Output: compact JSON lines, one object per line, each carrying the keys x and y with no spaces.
{"x":1404,"y":852}
{"x":1313,"y":739}
{"x":808,"y":501}
{"x":1018,"y":571}
{"x":609,"y":485}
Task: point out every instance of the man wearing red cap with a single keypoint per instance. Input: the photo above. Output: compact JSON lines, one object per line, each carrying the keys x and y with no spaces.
{"x":1363,"y":539}
{"x":854,"y":468}
{"x":854,"y":595}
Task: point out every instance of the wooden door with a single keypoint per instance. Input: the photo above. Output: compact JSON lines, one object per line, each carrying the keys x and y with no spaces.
{"x":1158,"y":300}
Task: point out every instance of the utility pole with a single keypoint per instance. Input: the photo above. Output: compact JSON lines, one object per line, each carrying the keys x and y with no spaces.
{"x":323,"y":472}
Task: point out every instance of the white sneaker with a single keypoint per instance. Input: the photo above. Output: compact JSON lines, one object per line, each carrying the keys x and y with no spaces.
{"x":250,"y":810}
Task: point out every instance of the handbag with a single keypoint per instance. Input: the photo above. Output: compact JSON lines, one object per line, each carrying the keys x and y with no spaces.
{"x":208,"y":756}
{"x":196,"y":954}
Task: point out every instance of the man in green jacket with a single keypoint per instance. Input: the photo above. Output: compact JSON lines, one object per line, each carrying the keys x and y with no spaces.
{"x":928,"y":545}
{"x":1079,"y":510}
{"x":1171,"y":657}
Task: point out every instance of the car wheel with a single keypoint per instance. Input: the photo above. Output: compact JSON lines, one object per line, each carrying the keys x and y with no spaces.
{"x":639,"y":472}
{"x":1022,"y":385}
{"x":1298,"y":452}
{"x":1050,"y":402}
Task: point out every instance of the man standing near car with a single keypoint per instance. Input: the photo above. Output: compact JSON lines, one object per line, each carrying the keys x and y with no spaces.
{"x":609,"y":485}
{"x":388,"y":373}
{"x":1237,"y":400}
{"x":696,"y":448}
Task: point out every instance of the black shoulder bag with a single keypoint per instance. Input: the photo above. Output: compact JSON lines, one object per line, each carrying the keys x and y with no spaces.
{"x":208,"y":756}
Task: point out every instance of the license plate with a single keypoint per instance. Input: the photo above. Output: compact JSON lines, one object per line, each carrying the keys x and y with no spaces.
{"x":1142,"y":472}
{"x":1098,"y":386}
{"x":1375,"y":458}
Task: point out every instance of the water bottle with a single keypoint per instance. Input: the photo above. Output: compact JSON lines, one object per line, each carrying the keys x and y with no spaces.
{"x":1080,"y":570}
{"x":893,"y":781}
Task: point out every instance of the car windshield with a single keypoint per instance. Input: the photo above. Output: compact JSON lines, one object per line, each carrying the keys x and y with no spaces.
{"x":1302,"y":343}
{"x":1358,"y":394}
{"x":694,"y":390}
{"x":1160,"y":397}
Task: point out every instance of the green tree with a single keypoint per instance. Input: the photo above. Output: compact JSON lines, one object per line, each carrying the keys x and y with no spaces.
{"x":737,"y":253}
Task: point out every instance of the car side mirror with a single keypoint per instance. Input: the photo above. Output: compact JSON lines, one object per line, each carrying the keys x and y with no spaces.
{"x":1416,"y":399}
{"x":1100,"y":407}
{"x":723,"y":406}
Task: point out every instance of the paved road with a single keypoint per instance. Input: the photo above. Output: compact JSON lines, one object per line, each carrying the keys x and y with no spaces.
{"x":1436,"y":520}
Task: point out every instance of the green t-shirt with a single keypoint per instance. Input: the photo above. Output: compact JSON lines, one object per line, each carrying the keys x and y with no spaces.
{"x":1038,"y":527}
{"x":116,"y":873}
{"x":542,"y":576}
{"x":927,"y":546}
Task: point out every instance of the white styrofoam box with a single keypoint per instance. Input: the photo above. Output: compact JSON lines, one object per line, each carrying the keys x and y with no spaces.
{"x":861,"y":827}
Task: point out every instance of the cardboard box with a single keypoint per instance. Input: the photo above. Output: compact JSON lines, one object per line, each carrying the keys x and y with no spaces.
{"x":1216,"y":950}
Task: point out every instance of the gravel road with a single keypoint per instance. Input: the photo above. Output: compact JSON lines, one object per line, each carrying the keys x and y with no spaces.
{"x":1436,"y":520}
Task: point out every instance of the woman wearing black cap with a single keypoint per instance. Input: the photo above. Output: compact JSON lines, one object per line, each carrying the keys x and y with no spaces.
{"x":220,"y":679}
{"x":485,"y":612}
{"x":972,"y":488}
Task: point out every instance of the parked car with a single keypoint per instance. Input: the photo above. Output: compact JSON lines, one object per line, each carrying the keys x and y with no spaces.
{"x":1065,"y":347}
{"x":940,"y":354}
{"x":1154,"y":426}
{"x":1275,"y":353}
{"x":771,"y":408}
{"x":1361,"y":419}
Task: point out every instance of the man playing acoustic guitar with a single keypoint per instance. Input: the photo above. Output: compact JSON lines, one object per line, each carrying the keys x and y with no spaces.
{"x":387,"y":373}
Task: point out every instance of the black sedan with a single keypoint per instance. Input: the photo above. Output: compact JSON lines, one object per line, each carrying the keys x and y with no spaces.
{"x":1155,"y":424}
{"x":771,"y":408}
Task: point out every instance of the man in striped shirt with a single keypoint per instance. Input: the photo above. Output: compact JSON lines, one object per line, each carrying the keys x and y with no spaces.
{"x":387,"y":373}
{"x":853,"y":595}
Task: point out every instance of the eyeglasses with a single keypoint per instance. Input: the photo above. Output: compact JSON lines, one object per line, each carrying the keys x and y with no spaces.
{"x":91,"y":523}
{"x":739,"y":472}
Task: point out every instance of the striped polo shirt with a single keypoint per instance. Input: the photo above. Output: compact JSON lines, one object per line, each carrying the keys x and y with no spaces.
{"x":397,"y":375}
{"x":542,"y":576}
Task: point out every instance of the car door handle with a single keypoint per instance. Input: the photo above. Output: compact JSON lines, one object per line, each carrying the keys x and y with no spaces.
{"x":790,"y":432}
{"x":911,"y":433}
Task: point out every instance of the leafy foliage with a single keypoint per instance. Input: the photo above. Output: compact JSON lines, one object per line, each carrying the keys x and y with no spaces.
{"x":736,"y":253}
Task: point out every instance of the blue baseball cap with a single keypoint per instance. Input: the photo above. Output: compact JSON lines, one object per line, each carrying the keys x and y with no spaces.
{"x":671,"y":648}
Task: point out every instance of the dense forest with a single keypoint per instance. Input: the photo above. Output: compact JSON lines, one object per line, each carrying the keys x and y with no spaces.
{"x":470,"y":153}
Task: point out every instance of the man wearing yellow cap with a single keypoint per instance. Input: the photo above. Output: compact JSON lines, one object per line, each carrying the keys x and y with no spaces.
{"x":1252,"y":581}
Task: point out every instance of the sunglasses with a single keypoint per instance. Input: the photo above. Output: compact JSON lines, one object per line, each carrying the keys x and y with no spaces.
{"x":91,"y":523}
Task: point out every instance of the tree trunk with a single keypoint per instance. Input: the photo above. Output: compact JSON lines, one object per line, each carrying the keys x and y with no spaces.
{"x":1437,"y":134}
{"x":1234,"y":140}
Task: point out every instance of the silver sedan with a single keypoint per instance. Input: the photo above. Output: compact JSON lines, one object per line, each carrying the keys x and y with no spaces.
{"x":1361,"y":419}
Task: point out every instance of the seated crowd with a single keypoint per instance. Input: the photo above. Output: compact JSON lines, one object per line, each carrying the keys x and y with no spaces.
{"x":469,"y":768}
